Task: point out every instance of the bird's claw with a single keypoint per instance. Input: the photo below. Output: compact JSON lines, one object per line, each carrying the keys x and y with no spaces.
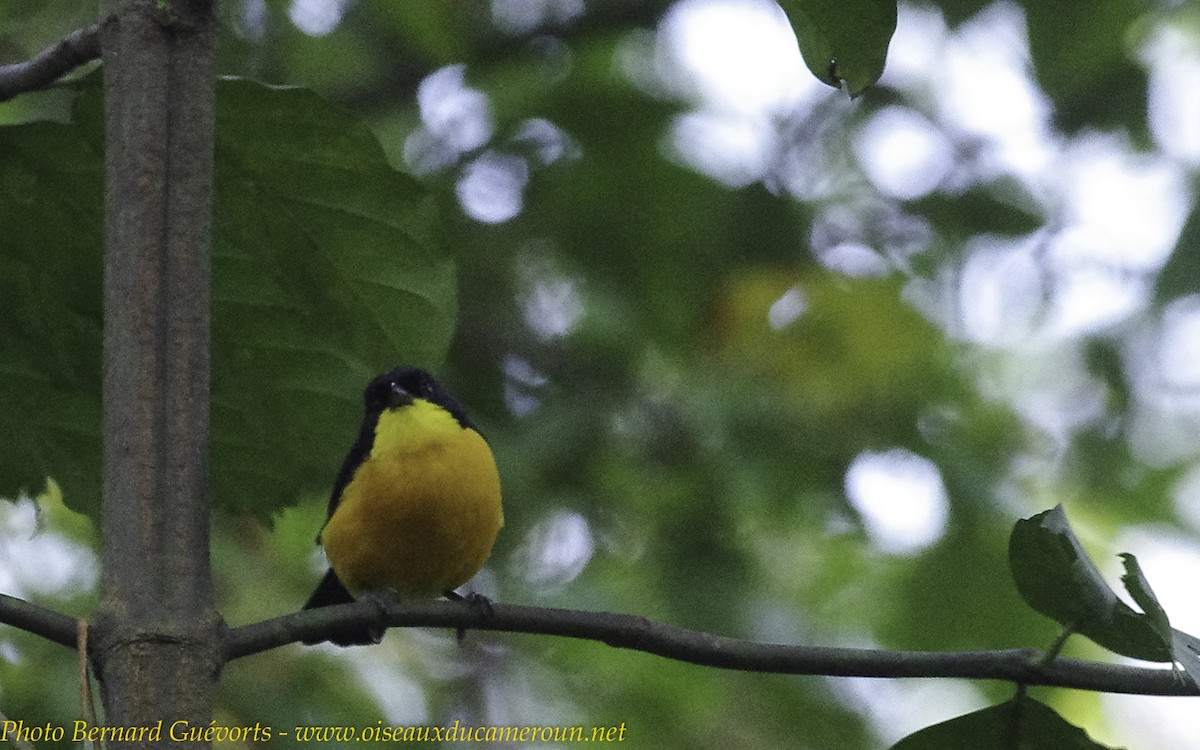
{"x":479,"y":603}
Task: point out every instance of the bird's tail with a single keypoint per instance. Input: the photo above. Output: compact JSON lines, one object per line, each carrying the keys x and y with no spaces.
{"x":330,"y":592}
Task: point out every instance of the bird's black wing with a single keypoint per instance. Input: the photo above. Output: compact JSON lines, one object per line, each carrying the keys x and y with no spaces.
{"x":358,"y":453}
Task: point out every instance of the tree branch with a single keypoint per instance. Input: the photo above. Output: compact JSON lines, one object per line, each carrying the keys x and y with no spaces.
{"x":1021,"y":666}
{"x":52,"y":63}
{"x":51,"y":625}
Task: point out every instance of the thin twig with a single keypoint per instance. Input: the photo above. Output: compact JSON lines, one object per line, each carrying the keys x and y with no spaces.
{"x":52,"y":63}
{"x":1021,"y":666}
{"x":1059,"y":641}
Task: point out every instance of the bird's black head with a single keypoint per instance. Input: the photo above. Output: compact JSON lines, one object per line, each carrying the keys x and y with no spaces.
{"x":400,"y":386}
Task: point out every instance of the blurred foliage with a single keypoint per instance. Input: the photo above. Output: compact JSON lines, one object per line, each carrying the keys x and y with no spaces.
{"x":1082,"y":54}
{"x":676,"y":372}
{"x":324,"y":266}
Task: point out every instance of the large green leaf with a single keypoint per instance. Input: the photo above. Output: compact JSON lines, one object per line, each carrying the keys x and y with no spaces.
{"x":843,"y":41}
{"x":1020,"y":723}
{"x":324,"y":272}
{"x":50,"y":271}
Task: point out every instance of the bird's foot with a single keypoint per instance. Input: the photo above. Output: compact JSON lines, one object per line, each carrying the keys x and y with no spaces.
{"x":478,"y":602}
{"x":382,"y":599}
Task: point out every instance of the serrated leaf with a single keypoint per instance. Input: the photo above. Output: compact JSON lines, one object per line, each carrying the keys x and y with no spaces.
{"x":324,"y":273}
{"x":1185,"y":649}
{"x":1020,"y":723}
{"x":843,"y":41}
{"x":1055,"y":576}
{"x":1139,"y":588}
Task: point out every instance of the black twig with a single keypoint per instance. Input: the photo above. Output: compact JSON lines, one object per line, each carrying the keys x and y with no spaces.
{"x":52,"y":63}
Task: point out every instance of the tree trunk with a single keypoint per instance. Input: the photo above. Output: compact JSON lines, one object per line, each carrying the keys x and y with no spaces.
{"x":156,"y":634}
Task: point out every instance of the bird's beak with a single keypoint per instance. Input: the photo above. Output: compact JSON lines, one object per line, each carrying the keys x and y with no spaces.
{"x":398,"y":396}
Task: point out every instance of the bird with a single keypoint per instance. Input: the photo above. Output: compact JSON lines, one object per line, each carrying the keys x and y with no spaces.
{"x":416,"y":506}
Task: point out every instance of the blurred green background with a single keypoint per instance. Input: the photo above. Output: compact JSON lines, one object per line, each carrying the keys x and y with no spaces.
{"x":755,"y":358}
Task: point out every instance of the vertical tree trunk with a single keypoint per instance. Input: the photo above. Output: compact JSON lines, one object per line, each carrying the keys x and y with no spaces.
{"x":156,"y":634}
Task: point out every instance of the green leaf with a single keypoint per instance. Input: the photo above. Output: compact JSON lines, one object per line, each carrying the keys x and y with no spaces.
{"x":1020,"y":723}
{"x":843,"y":41}
{"x":1054,"y":573}
{"x":324,"y":273}
{"x":1055,"y":576}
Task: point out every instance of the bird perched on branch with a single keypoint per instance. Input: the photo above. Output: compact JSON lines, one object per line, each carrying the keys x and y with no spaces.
{"x":415,"y":508}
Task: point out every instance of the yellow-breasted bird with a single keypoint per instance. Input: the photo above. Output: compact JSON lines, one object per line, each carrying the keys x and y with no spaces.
{"x":415,"y":508}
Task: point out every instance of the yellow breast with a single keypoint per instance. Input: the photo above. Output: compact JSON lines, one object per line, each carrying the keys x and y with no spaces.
{"x":422,"y":511}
